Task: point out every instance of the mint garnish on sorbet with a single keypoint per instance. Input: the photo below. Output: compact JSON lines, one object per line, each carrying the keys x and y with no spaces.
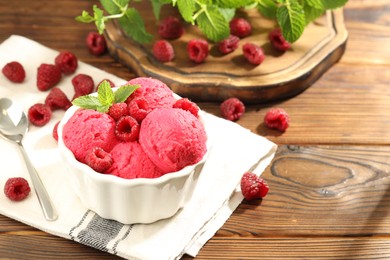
{"x":105,"y":97}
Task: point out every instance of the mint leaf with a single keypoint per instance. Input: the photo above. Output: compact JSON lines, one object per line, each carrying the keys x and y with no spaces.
{"x":228,"y":13}
{"x":114,"y":6}
{"x":213,"y":24}
{"x":311,"y":13}
{"x":326,"y":4}
{"x":156,"y":6}
{"x":233,"y":3}
{"x":123,"y":92}
{"x":99,"y":19}
{"x":103,"y":108}
{"x":333,"y":4}
{"x":291,"y":19}
{"x":105,"y":94}
{"x":133,"y":25}
{"x":88,"y":102}
{"x":85,"y":17}
{"x":186,"y":9}
{"x":267,"y":8}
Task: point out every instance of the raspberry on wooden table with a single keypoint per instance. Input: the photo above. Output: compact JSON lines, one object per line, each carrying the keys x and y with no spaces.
{"x":232,"y":109}
{"x":253,"y":187}
{"x":277,"y":40}
{"x":163,"y":51}
{"x":240,"y":27}
{"x":48,"y":76}
{"x":198,"y":50}
{"x":16,"y":188}
{"x":254,"y":54}
{"x":67,"y":62}
{"x":277,"y":118}
{"x":39,"y":114}
{"x":14,"y":71}
{"x":170,"y":28}
{"x":96,"y":43}
{"x":56,"y":99}
{"x":229,"y":44}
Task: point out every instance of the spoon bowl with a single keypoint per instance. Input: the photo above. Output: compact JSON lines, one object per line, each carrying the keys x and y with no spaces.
{"x":13,"y":127}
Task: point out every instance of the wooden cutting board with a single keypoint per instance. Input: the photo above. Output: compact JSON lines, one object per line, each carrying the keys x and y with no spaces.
{"x":280,"y":76}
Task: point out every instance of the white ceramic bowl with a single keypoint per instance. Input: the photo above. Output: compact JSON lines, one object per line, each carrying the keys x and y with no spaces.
{"x":128,"y":201}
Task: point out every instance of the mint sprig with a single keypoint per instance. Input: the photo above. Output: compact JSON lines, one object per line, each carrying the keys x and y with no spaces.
{"x":105,"y":97}
{"x":212,"y":16}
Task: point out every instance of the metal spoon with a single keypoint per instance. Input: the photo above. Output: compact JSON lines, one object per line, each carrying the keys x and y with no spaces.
{"x":13,"y":126}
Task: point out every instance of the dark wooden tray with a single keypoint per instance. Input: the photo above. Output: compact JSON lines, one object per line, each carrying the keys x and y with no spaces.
{"x":280,"y":76}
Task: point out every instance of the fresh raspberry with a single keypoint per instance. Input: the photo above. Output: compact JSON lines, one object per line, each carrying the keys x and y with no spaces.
{"x":277,"y":118}
{"x":96,"y":43}
{"x":109,"y":82}
{"x":98,"y":159}
{"x":198,"y":50}
{"x":277,"y":40}
{"x":48,"y":76}
{"x":232,"y":109}
{"x":83,"y":85}
{"x":127,"y":129}
{"x":163,"y":51}
{"x":240,"y":27}
{"x":253,"y":187}
{"x":253,"y":53}
{"x":138,"y":108}
{"x":55,"y":131}
{"x":14,"y":71}
{"x":16,"y":188}
{"x":229,"y":44}
{"x":188,"y":105}
{"x":56,"y":99}
{"x":39,"y":114}
{"x":66,"y":61}
{"x":170,"y":28}
{"x":118,"y":110}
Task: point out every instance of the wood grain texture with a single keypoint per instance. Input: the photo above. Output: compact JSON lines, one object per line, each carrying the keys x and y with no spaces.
{"x":329,"y":196}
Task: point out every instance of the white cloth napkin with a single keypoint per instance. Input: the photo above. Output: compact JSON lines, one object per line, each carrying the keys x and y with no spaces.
{"x":234,"y":151}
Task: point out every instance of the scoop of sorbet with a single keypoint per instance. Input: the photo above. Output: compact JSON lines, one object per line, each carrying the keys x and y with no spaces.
{"x":87,"y":129}
{"x":172,"y":138}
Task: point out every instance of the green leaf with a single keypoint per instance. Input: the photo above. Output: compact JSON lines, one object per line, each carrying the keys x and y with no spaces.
{"x":213,"y":24}
{"x":156,"y":6}
{"x":105,"y":94}
{"x":88,"y":102}
{"x":85,"y":17}
{"x":333,"y":4}
{"x":267,"y":8}
{"x":233,"y":3}
{"x":228,"y":13}
{"x":123,"y":92}
{"x":99,"y":19}
{"x":326,"y":4}
{"x":311,"y":13}
{"x":114,"y":6}
{"x":186,"y":9}
{"x":291,"y":19}
{"x":133,"y":25}
{"x":103,"y":108}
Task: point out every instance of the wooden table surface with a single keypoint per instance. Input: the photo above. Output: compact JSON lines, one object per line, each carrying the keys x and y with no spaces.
{"x":329,"y":181}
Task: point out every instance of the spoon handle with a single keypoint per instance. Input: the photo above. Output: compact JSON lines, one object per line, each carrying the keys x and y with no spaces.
{"x":48,"y":209}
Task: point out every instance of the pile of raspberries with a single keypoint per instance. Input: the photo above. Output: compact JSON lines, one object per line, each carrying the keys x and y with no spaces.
{"x":171,"y":28}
